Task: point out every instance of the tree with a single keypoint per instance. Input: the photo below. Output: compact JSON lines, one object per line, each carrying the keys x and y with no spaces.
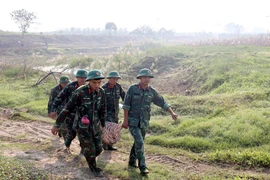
{"x":23,"y":18}
{"x":110,"y":26}
{"x":233,"y":28}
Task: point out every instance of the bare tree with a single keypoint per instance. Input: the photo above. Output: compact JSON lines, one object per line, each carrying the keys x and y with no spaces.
{"x":23,"y":18}
{"x":111,"y":27}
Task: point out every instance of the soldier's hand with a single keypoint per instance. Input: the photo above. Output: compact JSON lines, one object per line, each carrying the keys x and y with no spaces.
{"x":174,"y":116}
{"x":125,"y":124}
{"x":52,"y":115}
{"x":55,"y":130}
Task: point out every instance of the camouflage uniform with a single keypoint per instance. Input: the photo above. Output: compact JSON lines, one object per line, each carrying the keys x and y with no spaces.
{"x":91,"y":104}
{"x":54,"y":92}
{"x":138,"y":103}
{"x":65,"y":95}
{"x":113,"y":94}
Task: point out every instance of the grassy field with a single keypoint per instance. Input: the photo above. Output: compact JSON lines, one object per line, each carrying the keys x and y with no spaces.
{"x":224,"y":120}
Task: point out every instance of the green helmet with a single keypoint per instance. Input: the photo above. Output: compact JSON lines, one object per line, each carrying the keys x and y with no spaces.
{"x":64,"y":80}
{"x":94,"y":74}
{"x":114,"y":74}
{"x":81,"y":73}
{"x":145,"y":72}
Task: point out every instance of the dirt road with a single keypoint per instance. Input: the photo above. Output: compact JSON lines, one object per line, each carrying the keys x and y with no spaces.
{"x":32,"y":141}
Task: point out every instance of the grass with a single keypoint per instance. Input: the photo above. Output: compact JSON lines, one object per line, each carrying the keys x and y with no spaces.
{"x":15,"y":169}
{"x":226,"y":120}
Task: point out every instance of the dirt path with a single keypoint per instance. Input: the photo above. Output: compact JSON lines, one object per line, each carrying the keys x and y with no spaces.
{"x":32,"y":141}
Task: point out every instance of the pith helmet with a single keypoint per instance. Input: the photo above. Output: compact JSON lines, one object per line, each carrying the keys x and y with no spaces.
{"x":114,"y":74}
{"x":64,"y":80}
{"x":94,"y":74}
{"x":81,"y":73}
{"x":145,"y":72}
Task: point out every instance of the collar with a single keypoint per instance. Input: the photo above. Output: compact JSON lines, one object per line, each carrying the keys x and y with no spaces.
{"x":109,"y":86}
{"x":141,"y":88}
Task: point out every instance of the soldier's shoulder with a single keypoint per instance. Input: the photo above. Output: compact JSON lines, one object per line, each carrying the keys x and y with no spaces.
{"x":82,"y":88}
{"x":55,"y":88}
{"x":74,"y":83}
{"x":101,"y":89}
{"x":104,"y":85}
{"x":152,"y":89}
{"x":136,"y":85}
{"x":118,"y":85}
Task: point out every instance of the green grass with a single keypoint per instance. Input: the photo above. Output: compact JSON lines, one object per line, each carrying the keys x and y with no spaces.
{"x":226,"y":120}
{"x":15,"y":169}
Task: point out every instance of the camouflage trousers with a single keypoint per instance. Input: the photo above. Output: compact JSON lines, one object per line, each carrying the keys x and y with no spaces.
{"x":137,"y":150}
{"x":71,"y":134}
{"x":112,"y":117}
{"x":90,"y":142}
{"x":63,"y":130}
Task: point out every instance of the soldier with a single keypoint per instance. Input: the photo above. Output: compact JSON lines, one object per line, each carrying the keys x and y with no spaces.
{"x":64,"y":80}
{"x":90,"y":101}
{"x":113,"y":92}
{"x":65,"y":95}
{"x":137,"y":107}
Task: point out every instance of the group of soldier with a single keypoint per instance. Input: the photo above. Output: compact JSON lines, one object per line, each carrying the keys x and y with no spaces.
{"x":83,"y":106}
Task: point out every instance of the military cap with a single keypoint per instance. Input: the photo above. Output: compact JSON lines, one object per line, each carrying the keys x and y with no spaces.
{"x":145,"y":72}
{"x":64,"y":80}
{"x":94,"y":74}
{"x":114,"y":74}
{"x":81,"y":73}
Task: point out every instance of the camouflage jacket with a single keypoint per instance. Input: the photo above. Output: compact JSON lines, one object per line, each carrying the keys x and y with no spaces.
{"x":138,"y":103}
{"x":54,"y":92}
{"x":113,"y":94}
{"x":64,"y":95}
{"x":91,"y":104}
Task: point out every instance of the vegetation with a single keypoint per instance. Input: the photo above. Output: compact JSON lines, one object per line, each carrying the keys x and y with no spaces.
{"x":14,"y":169}
{"x":224,"y":118}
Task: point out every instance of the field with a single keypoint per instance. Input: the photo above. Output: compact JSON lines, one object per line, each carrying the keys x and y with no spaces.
{"x":221,"y":94}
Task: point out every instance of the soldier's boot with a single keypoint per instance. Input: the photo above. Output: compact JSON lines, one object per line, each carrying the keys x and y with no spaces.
{"x":93,"y":167}
{"x":132,"y":164}
{"x":144,"y":170}
{"x":111,"y":148}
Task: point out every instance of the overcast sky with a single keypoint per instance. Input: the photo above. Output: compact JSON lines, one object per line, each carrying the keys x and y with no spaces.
{"x":178,"y":15}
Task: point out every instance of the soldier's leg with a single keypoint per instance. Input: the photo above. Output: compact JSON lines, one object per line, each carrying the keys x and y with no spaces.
{"x":63,"y":130}
{"x":132,"y":157}
{"x":71,"y":134}
{"x":89,"y":150}
{"x":138,"y":135}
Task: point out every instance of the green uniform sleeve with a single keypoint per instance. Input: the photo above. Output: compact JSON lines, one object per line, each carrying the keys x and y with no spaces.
{"x":70,"y":106}
{"x":60,"y":98}
{"x":127,"y":101}
{"x":159,"y":101}
{"x":122,"y":93}
{"x":51,"y":98}
{"x":103,"y":110}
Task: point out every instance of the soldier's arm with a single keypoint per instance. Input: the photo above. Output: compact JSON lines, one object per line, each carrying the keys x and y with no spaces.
{"x":60,"y":98}
{"x":122,"y":93}
{"x":70,"y":106}
{"x":126,"y":107}
{"x":159,"y":101}
{"x":103,"y":110}
{"x":50,"y":102}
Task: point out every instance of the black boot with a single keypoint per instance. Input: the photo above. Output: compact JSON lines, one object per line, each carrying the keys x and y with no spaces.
{"x":111,"y":148}
{"x":95,"y":170}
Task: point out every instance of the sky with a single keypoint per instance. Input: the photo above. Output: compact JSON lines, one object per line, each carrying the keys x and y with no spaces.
{"x":178,"y":15}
